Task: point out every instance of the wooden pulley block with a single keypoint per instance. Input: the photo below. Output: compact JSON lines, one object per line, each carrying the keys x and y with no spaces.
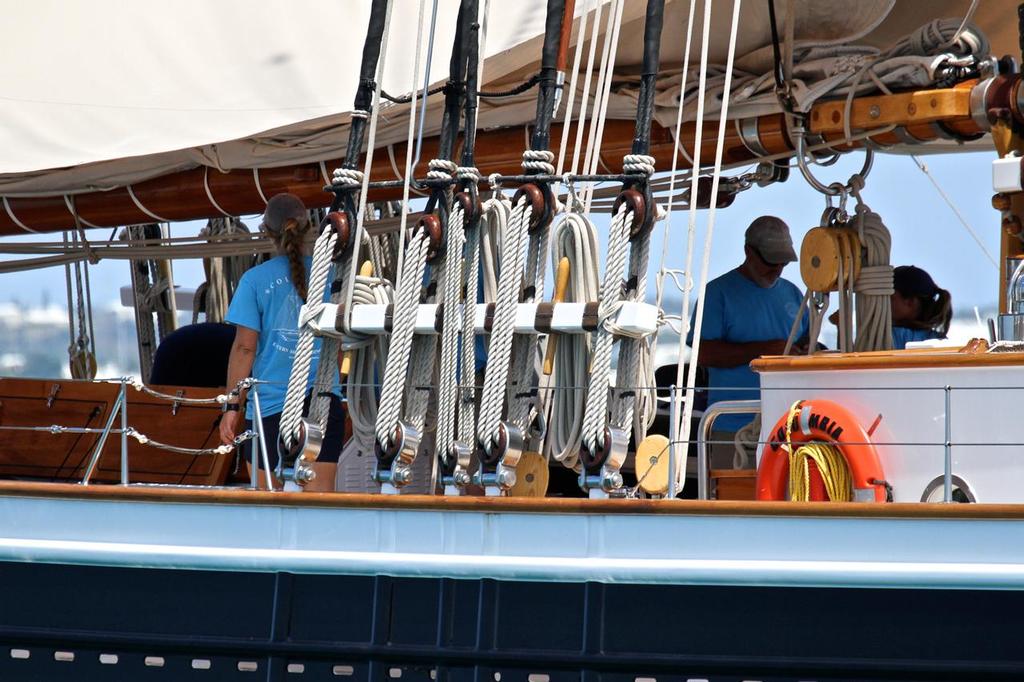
{"x":540,"y":201}
{"x":431,"y":226}
{"x":531,"y":476}
{"x":338,"y":221}
{"x":637,"y":205}
{"x":821,"y":252}
{"x":83,"y":365}
{"x":652,"y":457}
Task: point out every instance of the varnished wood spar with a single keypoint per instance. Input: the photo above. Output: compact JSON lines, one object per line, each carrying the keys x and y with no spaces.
{"x":182,"y":195}
{"x":221,"y":496}
{"x":886,"y":359}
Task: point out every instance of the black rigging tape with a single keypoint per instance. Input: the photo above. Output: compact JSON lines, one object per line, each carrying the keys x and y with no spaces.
{"x":486,"y":94}
{"x":344,"y":198}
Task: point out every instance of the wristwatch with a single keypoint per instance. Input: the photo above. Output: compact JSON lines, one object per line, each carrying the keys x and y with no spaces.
{"x":232,"y":407}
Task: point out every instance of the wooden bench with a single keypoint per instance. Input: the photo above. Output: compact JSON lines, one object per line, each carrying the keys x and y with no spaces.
{"x":64,"y":457}
{"x":734,"y":484}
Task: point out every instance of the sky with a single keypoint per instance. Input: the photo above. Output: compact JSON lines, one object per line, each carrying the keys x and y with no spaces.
{"x":925,"y":231}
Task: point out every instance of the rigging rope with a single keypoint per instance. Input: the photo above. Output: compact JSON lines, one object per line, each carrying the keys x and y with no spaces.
{"x":686,"y":415}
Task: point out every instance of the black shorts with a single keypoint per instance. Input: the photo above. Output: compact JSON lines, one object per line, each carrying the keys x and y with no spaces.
{"x":329,"y":452}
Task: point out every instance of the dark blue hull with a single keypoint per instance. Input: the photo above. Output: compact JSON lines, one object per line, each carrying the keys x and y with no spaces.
{"x":174,"y":625}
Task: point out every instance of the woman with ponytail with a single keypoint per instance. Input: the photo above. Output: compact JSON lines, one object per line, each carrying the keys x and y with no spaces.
{"x":265,"y":312}
{"x":921,"y":310}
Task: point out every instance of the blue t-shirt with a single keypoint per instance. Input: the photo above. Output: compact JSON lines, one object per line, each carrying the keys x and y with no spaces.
{"x":266,"y":302}
{"x":901,"y":336}
{"x":740,"y":311}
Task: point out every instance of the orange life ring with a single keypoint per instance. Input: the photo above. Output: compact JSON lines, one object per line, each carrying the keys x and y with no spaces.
{"x":821,"y":421}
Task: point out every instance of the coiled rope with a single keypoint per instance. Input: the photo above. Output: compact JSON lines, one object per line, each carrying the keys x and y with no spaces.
{"x":874,"y":286}
{"x":829,"y":459}
{"x":575,"y":239}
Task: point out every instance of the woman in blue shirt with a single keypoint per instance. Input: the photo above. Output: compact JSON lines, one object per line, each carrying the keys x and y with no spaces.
{"x":265,"y":312}
{"x":921,"y":310}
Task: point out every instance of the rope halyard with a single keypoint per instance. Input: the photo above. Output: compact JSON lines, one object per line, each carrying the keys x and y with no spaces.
{"x":291,"y":414}
{"x":606,"y":434}
{"x":829,"y":459}
{"x":499,"y":346}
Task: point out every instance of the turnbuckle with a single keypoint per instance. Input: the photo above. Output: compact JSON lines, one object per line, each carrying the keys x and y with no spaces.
{"x":456,"y":468}
{"x":394,"y":462}
{"x":503,"y":456}
{"x":601,"y":465}
{"x":296,"y":462}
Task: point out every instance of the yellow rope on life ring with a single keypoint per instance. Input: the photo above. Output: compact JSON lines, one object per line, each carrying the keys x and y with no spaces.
{"x":832,"y":465}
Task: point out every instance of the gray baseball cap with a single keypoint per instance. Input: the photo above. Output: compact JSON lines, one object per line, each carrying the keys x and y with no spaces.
{"x":769,"y":236}
{"x":281,"y":208}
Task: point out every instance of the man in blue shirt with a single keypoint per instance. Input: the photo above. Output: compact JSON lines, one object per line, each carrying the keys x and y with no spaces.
{"x":748,"y":312}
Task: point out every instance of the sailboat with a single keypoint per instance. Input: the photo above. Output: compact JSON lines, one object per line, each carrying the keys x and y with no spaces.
{"x":128,"y":550}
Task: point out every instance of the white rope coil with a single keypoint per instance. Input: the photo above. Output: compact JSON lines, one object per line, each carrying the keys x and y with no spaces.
{"x":539,"y":161}
{"x":367,"y":355}
{"x":470,"y":173}
{"x":875,"y":285}
{"x":575,"y":239}
{"x":633,"y":164}
{"x":441,"y":169}
{"x":347,"y":178}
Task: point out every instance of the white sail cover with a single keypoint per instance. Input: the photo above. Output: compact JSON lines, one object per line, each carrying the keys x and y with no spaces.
{"x":112,"y":92}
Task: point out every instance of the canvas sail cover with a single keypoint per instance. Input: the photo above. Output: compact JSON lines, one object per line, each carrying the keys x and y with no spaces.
{"x":111,"y":92}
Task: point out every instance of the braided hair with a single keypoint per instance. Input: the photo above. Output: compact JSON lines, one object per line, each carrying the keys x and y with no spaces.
{"x":286,"y":220}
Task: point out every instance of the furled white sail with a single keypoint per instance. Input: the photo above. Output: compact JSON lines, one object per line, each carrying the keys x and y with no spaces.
{"x":111,"y":92}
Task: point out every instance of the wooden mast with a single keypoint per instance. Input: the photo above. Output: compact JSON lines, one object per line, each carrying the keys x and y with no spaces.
{"x":920,"y":116}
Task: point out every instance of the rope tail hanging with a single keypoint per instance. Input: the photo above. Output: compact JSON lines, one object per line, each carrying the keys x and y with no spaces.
{"x":511,"y":361}
{"x":456,"y":397}
{"x":606,"y":436}
{"x":874,"y":287}
{"x":438,"y":240}
{"x":335,"y":242}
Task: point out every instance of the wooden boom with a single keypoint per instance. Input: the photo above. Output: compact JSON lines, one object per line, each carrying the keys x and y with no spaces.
{"x":919,"y":117}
